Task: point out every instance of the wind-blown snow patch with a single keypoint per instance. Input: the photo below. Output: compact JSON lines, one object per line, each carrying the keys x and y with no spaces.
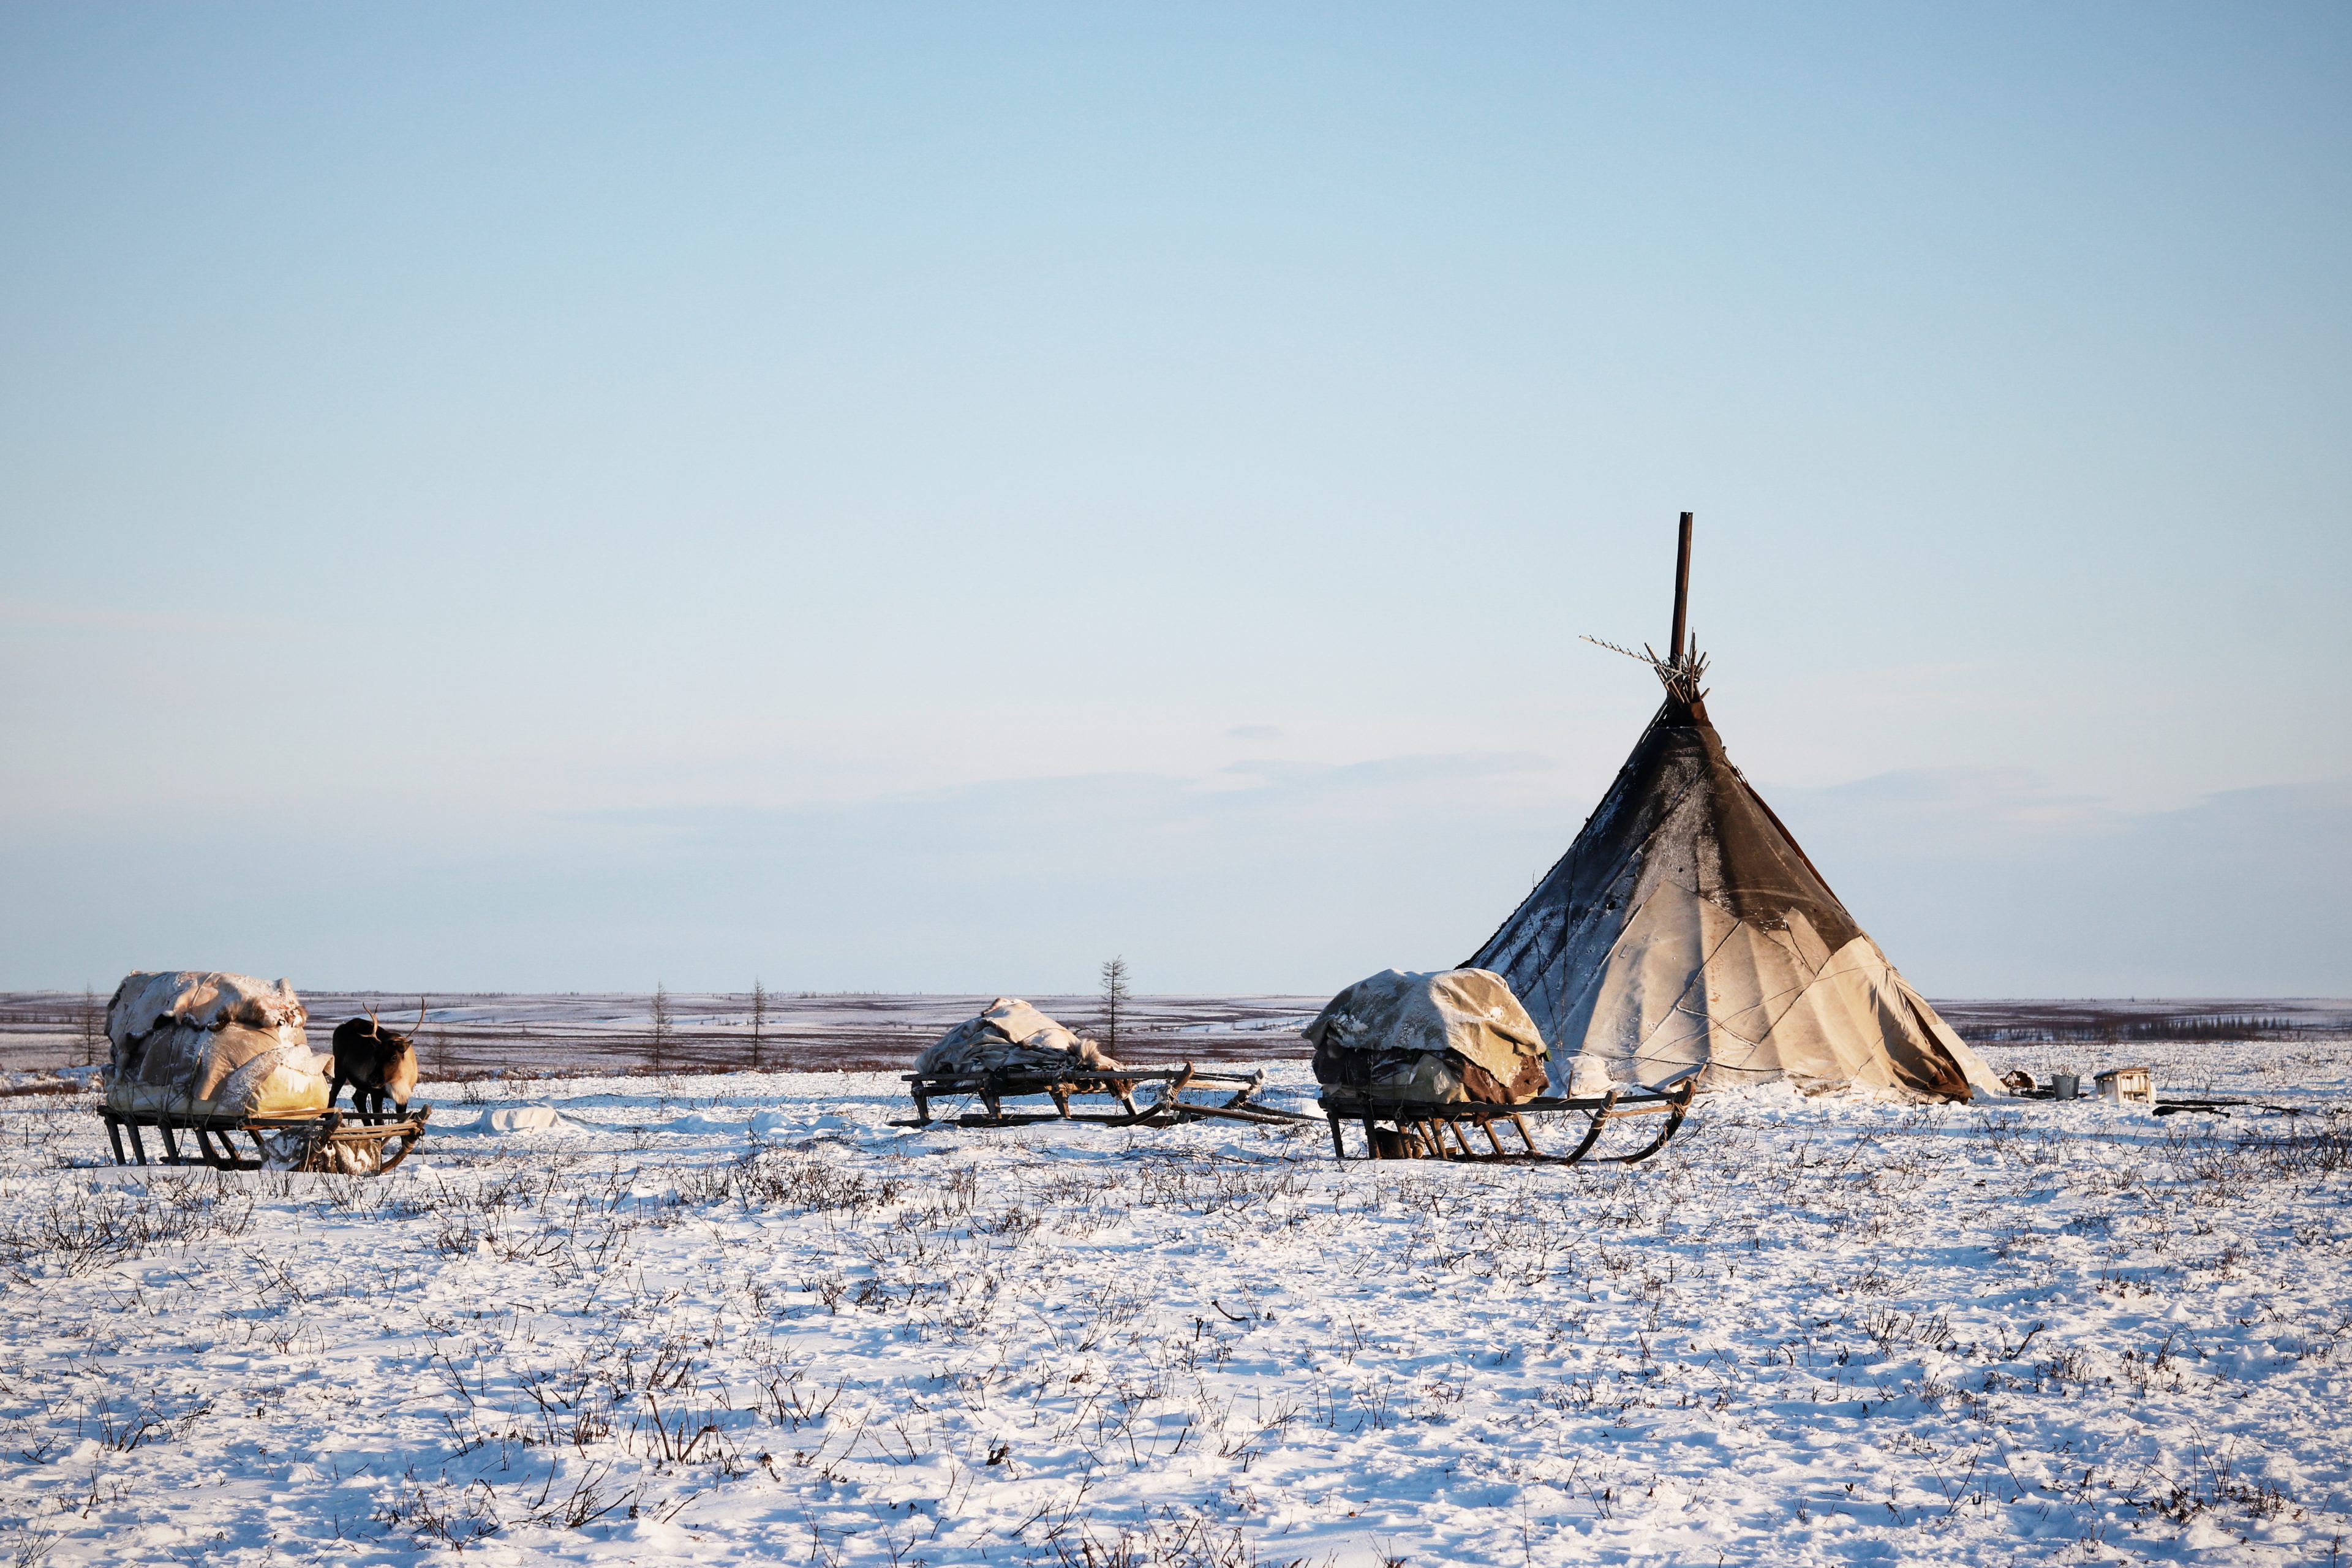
{"x":519,"y":1119}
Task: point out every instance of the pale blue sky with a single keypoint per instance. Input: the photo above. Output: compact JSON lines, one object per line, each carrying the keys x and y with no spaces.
{"x":924,"y":498}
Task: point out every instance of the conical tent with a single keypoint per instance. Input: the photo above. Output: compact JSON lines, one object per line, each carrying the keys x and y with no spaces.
{"x":1685,"y":928}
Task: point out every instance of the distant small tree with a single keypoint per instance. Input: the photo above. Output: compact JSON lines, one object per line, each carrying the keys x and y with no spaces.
{"x":661,"y":1031}
{"x":88,"y":1028}
{"x":431,"y":1049}
{"x":758,"y":1020}
{"x":1114,"y":1003}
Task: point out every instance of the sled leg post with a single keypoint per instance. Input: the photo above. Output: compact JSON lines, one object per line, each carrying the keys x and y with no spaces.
{"x":171,"y":1144}
{"x":114,"y":1136}
{"x":1673,"y":1120}
{"x":1172,"y":1107}
{"x":138,"y":1144}
{"x":1338,"y":1140}
{"x":407,"y":1141}
{"x":1486,"y":1125}
{"x":1526,"y":1136}
{"x":1592,"y":1133}
{"x":1592,"y":1136}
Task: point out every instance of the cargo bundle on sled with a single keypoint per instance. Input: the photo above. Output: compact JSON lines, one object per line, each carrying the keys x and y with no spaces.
{"x":1013,"y":1051}
{"x":207,"y":1061}
{"x":1422,"y":1061}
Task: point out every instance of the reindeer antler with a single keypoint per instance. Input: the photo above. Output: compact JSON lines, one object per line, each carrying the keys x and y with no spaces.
{"x":420,"y":1011}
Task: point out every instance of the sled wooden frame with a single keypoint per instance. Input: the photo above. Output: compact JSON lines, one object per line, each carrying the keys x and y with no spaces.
{"x":993,"y":1088}
{"x":393,"y":1134}
{"x":1419,"y":1129}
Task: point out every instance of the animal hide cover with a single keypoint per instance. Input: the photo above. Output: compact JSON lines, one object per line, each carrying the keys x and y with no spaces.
{"x":1445,"y":1037}
{"x":1011,"y":1037}
{"x":197,"y":1043}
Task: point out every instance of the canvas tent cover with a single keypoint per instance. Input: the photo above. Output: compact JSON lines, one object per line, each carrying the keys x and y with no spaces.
{"x":1685,"y":927}
{"x":1444,"y":1037}
{"x":1011,"y":1037}
{"x":203,"y":1044}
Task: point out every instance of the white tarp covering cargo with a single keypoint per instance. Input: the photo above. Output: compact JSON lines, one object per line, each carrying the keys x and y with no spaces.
{"x":1445,"y":1037}
{"x":1011,"y":1037}
{"x":202,"y":1044}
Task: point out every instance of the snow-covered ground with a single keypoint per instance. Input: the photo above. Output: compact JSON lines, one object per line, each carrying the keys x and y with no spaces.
{"x":747,"y":1321}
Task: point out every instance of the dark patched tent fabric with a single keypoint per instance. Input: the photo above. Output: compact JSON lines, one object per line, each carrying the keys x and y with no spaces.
{"x":1685,"y":927}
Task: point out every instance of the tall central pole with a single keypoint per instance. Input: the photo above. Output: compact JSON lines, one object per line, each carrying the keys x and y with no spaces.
{"x":1682,"y":593}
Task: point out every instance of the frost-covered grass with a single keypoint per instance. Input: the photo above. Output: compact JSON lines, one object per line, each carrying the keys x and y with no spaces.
{"x":758,"y":1325}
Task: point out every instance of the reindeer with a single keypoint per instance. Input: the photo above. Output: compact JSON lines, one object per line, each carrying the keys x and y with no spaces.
{"x":375,"y":1062}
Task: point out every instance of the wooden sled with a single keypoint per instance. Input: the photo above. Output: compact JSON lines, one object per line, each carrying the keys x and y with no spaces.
{"x":993,"y":1088}
{"x":1415,"y":1130}
{"x":362,"y":1143}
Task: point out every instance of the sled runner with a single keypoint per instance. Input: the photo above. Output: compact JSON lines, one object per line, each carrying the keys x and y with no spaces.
{"x":1419,"y":1129}
{"x":993,"y":1088}
{"x":348,"y":1142}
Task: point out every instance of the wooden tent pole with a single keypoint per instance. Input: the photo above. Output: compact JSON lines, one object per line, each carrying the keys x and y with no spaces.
{"x":1682,"y":594}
